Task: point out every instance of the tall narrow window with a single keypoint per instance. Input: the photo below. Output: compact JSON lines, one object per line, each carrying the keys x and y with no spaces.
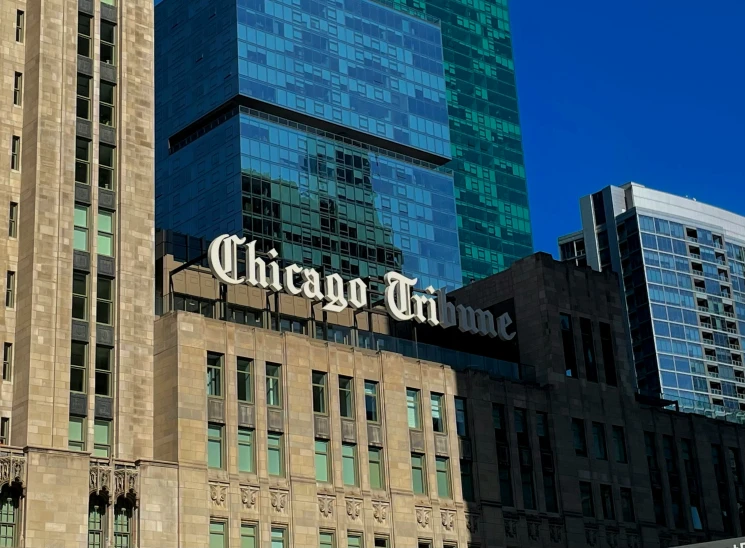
{"x":320,"y":403}
{"x":276,"y":455}
{"x":326,"y":540}
{"x":78,"y":367}
{"x":15,"y":153}
{"x":80,"y":236}
{"x":588,"y":507}
{"x":105,"y":301}
{"x":101,"y":438}
{"x":20,"y":26}
{"x":526,"y":480}
{"x":106,"y":106}
{"x":245,"y":449}
{"x":104,"y":360}
{"x":9,"y":502}
{"x":105,"y":233}
{"x":349,"y":464}
{"x":549,"y":490}
{"x":466,"y":479}
{"x":606,"y":496}
{"x":627,"y":505}
{"x":279,"y":537}
{"x":418,"y":474}
{"x":108,"y":43}
{"x":619,"y":444}
{"x":218,"y":534}
{"x":346,"y":397}
{"x":13,"y":220}
{"x":10,"y":289}
{"x":18,"y":89}
{"x":214,"y":445}
{"x":5,"y":431}
{"x":412,"y":409}
{"x":123,"y":524}
{"x":76,"y":434}
{"x":83,"y":103}
{"x":106,"y":167}
{"x":323,"y":468}
{"x":96,"y":522}
{"x":541,"y":427}
{"x":375,"y":458}
{"x":79,"y":295}
{"x":248,"y":536}
{"x":521,"y":428}
{"x":371,"y":401}
{"x":598,"y":440}
{"x":437,"y":401}
{"x":85,"y":24}
{"x":214,"y":374}
{"x":588,"y":350}
{"x":245,"y":380}
{"x":273,"y":385}
{"x":443,"y":477}
{"x":461,"y":420}
{"x":7,"y":360}
{"x":567,"y":339}
{"x":82,"y":161}
{"x":355,"y":540}
{"x":609,"y":360}
{"x":578,"y":435}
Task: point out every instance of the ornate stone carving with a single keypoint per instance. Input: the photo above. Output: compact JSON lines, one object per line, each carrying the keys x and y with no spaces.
{"x":380,"y":511}
{"x":472,"y":523}
{"x":510,"y":528}
{"x":278,"y":500}
{"x":591,"y":536}
{"x":219,"y":495}
{"x":423,"y":517}
{"x":632,"y":541}
{"x":554,"y":531}
{"x":534,"y":529}
{"x":99,"y":481}
{"x":326,"y":505}
{"x":249,"y":497}
{"x":447,"y":517}
{"x":611,"y":537}
{"x":125,"y":483}
{"x":354,"y":508}
{"x":13,"y":470}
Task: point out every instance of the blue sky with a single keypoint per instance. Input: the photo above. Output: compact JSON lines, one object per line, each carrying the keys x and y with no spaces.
{"x":646,"y":90}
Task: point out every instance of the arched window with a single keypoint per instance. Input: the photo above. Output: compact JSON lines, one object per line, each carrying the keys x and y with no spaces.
{"x":9,"y":502}
{"x":123,"y":537}
{"x":96,"y":521}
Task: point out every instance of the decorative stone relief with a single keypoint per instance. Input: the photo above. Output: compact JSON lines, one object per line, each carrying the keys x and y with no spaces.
{"x":278,"y":500}
{"x":99,"y":481}
{"x":591,"y":536}
{"x":219,"y":495}
{"x":326,"y":505}
{"x":472,"y":523}
{"x":125,"y":483}
{"x":611,"y":538}
{"x":12,"y":470}
{"x":510,"y":528}
{"x":554,"y":531}
{"x":447,"y":518}
{"x":249,"y":497}
{"x":534,"y":529}
{"x":380,"y":511}
{"x":354,"y":508}
{"x":632,"y":541}
{"x":423,"y":517}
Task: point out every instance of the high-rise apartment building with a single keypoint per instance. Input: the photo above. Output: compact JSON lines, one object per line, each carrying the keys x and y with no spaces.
{"x":681,"y":265}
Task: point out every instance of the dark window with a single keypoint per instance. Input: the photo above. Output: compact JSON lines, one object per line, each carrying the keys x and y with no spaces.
{"x":649,"y":446}
{"x":319,"y":392}
{"x":549,"y":490}
{"x":528,"y":494}
{"x":619,"y":444}
{"x":588,"y":350}
{"x":659,"y":507}
{"x":245,"y":379}
{"x":588,"y":507}
{"x":567,"y":338}
{"x":521,"y":428}
{"x":627,"y":505}
{"x":505,"y":486}
{"x":609,"y":360}
{"x":541,"y":426}
{"x":598,"y":441}
{"x":346,"y":397}
{"x":606,"y":495}
{"x":461,"y":422}
{"x":578,"y":435}
{"x":598,"y":207}
{"x":466,"y":480}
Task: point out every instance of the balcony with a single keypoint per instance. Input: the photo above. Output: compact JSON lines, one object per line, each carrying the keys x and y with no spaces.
{"x":692,"y":239}
{"x":711,"y":358}
{"x":695,"y":255}
{"x":716,"y":391}
{"x":721,"y":261}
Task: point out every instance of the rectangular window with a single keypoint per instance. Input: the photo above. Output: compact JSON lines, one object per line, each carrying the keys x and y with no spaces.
{"x":5,"y":431}
{"x":598,"y":441}
{"x":549,"y":490}
{"x":578,"y":435}
{"x":466,"y":480}
{"x":15,"y":153}
{"x":105,"y":233}
{"x":106,"y":167}
{"x":248,"y":536}
{"x":82,"y":161}
{"x":13,"y":220}
{"x":10,"y":289}
{"x":7,"y":360}
{"x":371,"y":401}
{"x":18,"y":89}
{"x":567,"y":339}
{"x":76,"y":434}
{"x":443,"y":477}
{"x":78,"y":367}
{"x":276,"y":455}
{"x":273,"y":385}
{"x":104,"y":361}
{"x":412,"y":409}
{"x":381,"y":542}
{"x":105,"y":301}
{"x":245,"y":379}
{"x":245,"y":449}
{"x":619,"y":444}
{"x":609,"y":360}
{"x":80,"y":236}
{"x":214,"y":445}
{"x":108,"y":43}
{"x":461,"y":421}
{"x":349,"y":464}
{"x":326,"y":540}
{"x":606,"y":496}
{"x":627,"y":505}
{"x":346,"y":397}
{"x":83,"y":103}
{"x":541,"y":426}
{"x":323,"y":463}
{"x":106,"y":105}
{"x":85,"y":25}
{"x":217,"y":535}
{"x":521,"y":428}
{"x":588,"y":507}
{"x":214,"y":374}
{"x":20,"y":26}
{"x":437,"y":401}
{"x":279,"y":537}
{"x":320,"y":401}
{"x":79,"y":295}
{"x":418,"y":474}
{"x":526,"y":479}
{"x":101,"y":439}
{"x":375,"y":458}
{"x":588,"y":350}
{"x":355,"y":540}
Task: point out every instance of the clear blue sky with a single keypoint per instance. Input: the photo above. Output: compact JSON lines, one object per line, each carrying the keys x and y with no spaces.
{"x":612,"y":91}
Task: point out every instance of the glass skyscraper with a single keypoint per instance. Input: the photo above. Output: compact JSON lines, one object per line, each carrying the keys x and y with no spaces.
{"x":681,"y":265}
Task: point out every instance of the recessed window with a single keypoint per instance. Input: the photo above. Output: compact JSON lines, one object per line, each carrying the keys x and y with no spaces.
{"x":245,"y":449}
{"x":412,"y":409}
{"x":18,"y":89}
{"x":273,"y":385}
{"x":466,"y":480}
{"x":13,"y":220}
{"x":627,"y":505}
{"x":588,"y":507}
{"x":108,"y":43}
{"x":96,"y":521}
{"x":105,"y":233}
{"x":279,"y":537}
{"x":85,"y":23}
{"x":461,"y":422}
{"x":375,"y":458}
{"x":578,"y":436}
{"x":214,"y":374}
{"x":123,"y":523}
{"x":567,"y":339}
{"x":20,"y":26}
{"x":7,"y":360}
{"x":326,"y":540}
{"x":443,"y":477}
{"x":276,"y":455}
{"x":15,"y":153}
{"x":102,"y":439}
{"x":107,"y":104}
{"x":214,"y":445}
{"x":104,"y":362}
{"x":5,"y":431}
{"x":319,"y":392}
{"x":346,"y":397}
{"x":10,"y":289}
{"x":248,"y":536}
{"x":619,"y":444}
{"x":76,"y":434}
{"x":437,"y":401}
{"x":83,"y":103}
{"x":78,"y":367}
{"x":323,"y":463}
{"x":80,"y":235}
{"x":105,"y":301}
{"x":79,"y":295}
{"x":106,"y":167}
{"x":355,"y":540}
{"x":82,"y":161}
{"x":382,"y":542}
{"x":349,"y":464}
{"x":418,"y":474}
{"x":218,"y":534}
{"x":245,"y":379}
{"x":371,"y":401}
{"x":588,"y":349}
{"x":598,"y":440}
{"x":606,"y":496}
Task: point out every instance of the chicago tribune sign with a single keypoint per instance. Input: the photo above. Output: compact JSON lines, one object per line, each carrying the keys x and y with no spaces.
{"x":401,"y":302}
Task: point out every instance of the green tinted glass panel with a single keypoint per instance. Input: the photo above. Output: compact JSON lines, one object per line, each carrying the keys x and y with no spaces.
{"x":375,"y":457}
{"x":275,"y":455}
{"x":349,"y":464}
{"x":417,"y":475}
{"x":245,"y":450}
{"x":322,"y":461}
{"x":217,"y":535}
{"x":214,"y":447}
{"x":248,"y":536}
{"x":443,"y":477}
{"x":354,"y":541}
{"x":278,"y":538}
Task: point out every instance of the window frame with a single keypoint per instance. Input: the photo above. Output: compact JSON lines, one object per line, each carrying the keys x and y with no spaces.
{"x":464,"y":417}
{"x":246,"y":526}
{"x":77,"y":445}
{"x":440,"y":406}
{"x":374,"y":397}
{"x":104,"y":167}
{"x":83,"y":161}
{"x":103,"y":234}
{"x":83,"y":101}
{"x":20,"y":26}
{"x":346,"y":394}
{"x":619,"y":442}
{"x":7,"y":361}
{"x":219,"y":441}
{"x":379,"y":460}
{"x":215,"y":373}
{"x":249,"y":434}
{"x":580,"y":424}
{"x":319,"y":390}
{"x":281,"y":531}
{"x":627,"y":510}
{"x":17,"y":89}
{"x":109,"y":45}
{"x":447,"y":477}
{"x":102,"y":303}
{"x":590,"y":513}
{"x":414,"y":408}
{"x":97,"y":522}
{"x":82,"y":230}
{"x":83,"y":38}
{"x":276,"y":380}
{"x":589,"y":353}
{"x":80,"y":300}
{"x":350,"y":460}
{"x":222,"y":532}
{"x":101,"y":450}
{"x":329,"y":542}
{"x":104,"y":374}
{"x":569,"y":348}
{"x":245,"y":377}
{"x":4,"y":430}
{"x":279,"y":448}
{"x":83,"y":369}
{"x":466,"y":473}
{"x":123,"y":507}
{"x":421,"y":467}
{"x":599,"y":443}
{"x":10,"y":289}
{"x":104,"y":106}
{"x":13,"y":220}
{"x":15,"y":153}
{"x":325,"y":453}
{"x":609,"y":513}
